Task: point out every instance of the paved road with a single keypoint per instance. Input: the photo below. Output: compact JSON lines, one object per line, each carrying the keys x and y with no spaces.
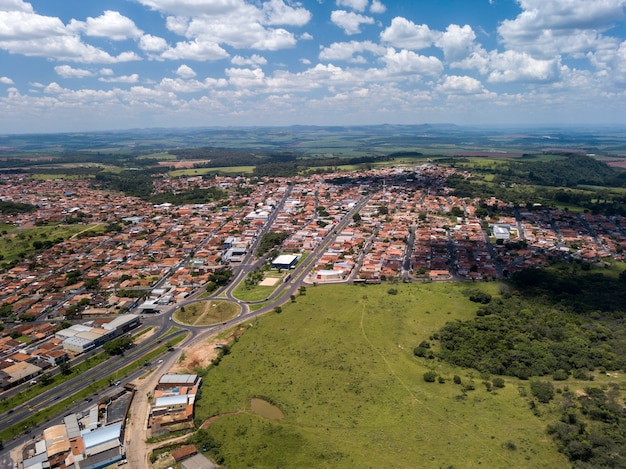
{"x":161,"y":323}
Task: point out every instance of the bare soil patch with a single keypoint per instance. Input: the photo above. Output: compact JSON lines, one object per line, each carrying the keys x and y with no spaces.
{"x":199,"y":355}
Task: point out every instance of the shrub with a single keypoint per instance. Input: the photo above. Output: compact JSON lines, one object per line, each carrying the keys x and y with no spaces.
{"x":430,"y":376}
{"x":478,"y":296}
{"x":497,"y":382}
{"x":542,"y":390}
{"x":510,"y":445}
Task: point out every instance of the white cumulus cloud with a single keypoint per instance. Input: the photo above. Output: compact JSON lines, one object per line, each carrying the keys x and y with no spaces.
{"x":377,"y":7}
{"x":456,"y":42}
{"x":69,"y":72}
{"x":278,"y":12}
{"x":6,"y":81}
{"x":22,"y":31}
{"x":511,"y":66}
{"x":134,"y":78}
{"x":405,"y":34}
{"x":460,"y":84}
{"x":236,"y":23}
{"x":195,"y":50}
{"x":111,"y":25}
{"x":408,"y":62}
{"x":548,"y":28}
{"x":185,"y":71}
{"x":254,"y":60}
{"x":358,"y":5}
{"x":350,"y":51}
{"x":349,"y":21}
{"x":150,"y":43}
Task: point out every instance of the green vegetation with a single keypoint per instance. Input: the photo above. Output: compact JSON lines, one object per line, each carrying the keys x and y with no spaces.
{"x":19,"y":243}
{"x":139,"y":184}
{"x":217,"y":279}
{"x":271,"y":240}
{"x":561,"y":320}
{"x":8,"y":207}
{"x":119,"y":345}
{"x":203,"y":313}
{"x":253,"y":292}
{"x":591,"y":430}
{"x":339,"y":364}
{"x":553,"y":181}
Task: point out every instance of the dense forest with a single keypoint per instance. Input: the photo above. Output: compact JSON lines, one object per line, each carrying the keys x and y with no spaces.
{"x":558,"y":321}
{"x":140,"y":184}
{"x":569,"y":172}
{"x":8,"y":207}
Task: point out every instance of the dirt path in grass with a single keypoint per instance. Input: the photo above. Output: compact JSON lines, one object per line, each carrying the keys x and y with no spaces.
{"x":210,"y":420}
{"x":86,"y":229}
{"x":424,"y":406}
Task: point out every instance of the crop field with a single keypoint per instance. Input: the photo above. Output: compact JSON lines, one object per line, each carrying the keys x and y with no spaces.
{"x":339,"y":365}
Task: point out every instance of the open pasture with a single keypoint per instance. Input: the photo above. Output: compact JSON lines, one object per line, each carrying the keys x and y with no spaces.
{"x":339,"y":364}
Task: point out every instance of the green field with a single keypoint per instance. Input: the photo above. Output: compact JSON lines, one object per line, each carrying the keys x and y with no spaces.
{"x":204,"y":313}
{"x":339,"y":364}
{"x":18,"y":242}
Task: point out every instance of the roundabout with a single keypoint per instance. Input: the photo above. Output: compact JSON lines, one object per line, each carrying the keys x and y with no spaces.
{"x":207,"y":312}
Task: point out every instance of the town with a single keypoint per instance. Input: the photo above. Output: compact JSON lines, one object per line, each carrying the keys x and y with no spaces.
{"x":133,"y":258}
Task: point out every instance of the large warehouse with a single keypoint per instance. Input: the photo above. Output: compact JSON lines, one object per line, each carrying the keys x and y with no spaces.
{"x":285,"y":261}
{"x":81,"y":338}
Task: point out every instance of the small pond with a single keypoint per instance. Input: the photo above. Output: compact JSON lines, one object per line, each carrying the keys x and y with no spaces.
{"x":265,"y":409}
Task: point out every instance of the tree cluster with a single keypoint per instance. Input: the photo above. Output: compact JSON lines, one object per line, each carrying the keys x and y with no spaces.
{"x":271,"y":240}
{"x":119,"y":345}
{"x":542,"y":332}
{"x":591,"y":431}
{"x":8,"y":207}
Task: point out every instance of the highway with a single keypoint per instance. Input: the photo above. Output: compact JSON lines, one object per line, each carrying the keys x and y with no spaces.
{"x":161,"y":325}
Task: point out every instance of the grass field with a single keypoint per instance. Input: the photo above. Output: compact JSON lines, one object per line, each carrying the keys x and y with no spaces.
{"x":339,"y":363}
{"x":204,"y":313}
{"x":16,"y":242}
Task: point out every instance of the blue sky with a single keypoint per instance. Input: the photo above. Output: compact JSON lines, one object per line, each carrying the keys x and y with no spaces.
{"x":76,"y":65}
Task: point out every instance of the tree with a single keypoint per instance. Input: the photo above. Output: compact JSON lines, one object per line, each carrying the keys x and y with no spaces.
{"x":221,"y":276}
{"x":72,"y":277}
{"x":497,"y":382}
{"x":430,"y":376}
{"x":91,"y":284}
{"x":542,"y":390}
{"x":65,"y":368}
{"x":46,"y":379}
{"x":117,"y":346}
